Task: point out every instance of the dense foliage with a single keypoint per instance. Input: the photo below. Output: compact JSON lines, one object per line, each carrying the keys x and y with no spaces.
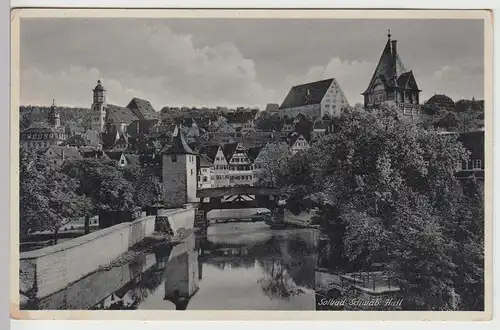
{"x":48,"y":198}
{"x":387,"y":193}
{"x":51,"y":196}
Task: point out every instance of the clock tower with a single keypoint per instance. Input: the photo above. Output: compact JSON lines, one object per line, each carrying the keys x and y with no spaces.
{"x":99,"y":107}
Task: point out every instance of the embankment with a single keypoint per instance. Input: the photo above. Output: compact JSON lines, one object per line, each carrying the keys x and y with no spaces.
{"x":48,"y":270}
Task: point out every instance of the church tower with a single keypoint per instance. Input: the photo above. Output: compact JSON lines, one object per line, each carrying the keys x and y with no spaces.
{"x":54,"y":117}
{"x":392,"y":82}
{"x":179,"y":172}
{"x":99,"y":107}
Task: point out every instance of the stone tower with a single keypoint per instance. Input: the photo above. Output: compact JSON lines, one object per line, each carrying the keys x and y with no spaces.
{"x":99,"y":107}
{"x":179,"y":172}
{"x":54,"y":117}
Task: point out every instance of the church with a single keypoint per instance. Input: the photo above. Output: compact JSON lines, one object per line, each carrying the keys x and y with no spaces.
{"x":114,"y":118}
{"x":392,"y":82}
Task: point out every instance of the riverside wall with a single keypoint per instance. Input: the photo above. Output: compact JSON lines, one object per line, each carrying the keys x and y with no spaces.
{"x":48,"y":270}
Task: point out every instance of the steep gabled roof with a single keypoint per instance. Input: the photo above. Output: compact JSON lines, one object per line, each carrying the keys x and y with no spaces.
{"x":294,"y":137}
{"x":228,"y":149}
{"x":253,"y":152}
{"x":65,"y":152}
{"x":210,"y":151}
{"x":272,"y":107}
{"x":120,"y":114}
{"x":407,"y":80}
{"x":132,"y":159}
{"x":239,"y":117}
{"x":109,"y":138}
{"x":142,"y":109}
{"x":204,"y":161}
{"x":179,"y":145}
{"x":310,"y":93}
{"x":141,"y":126}
{"x":95,"y":154}
{"x":387,"y":68}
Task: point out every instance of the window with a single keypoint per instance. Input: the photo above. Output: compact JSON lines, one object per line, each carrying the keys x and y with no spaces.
{"x":205,"y":179}
{"x":174,"y":158}
{"x":477,"y":164}
{"x":191,"y":171}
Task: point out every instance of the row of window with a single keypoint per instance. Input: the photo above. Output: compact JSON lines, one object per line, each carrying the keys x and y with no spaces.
{"x":474,"y":164}
{"x":36,"y":144}
{"x":240,"y":177}
{"x":239,"y":160}
{"x":40,"y":136}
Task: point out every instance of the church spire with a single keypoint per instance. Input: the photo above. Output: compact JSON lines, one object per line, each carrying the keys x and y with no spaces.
{"x":54,"y":118}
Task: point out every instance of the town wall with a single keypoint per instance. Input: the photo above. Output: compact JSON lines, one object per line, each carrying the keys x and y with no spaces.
{"x":48,"y":270}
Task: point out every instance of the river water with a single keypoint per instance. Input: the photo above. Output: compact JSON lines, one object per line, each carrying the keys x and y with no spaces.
{"x":237,"y":266}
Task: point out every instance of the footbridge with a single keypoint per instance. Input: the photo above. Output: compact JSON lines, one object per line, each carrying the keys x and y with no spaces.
{"x":225,"y":198}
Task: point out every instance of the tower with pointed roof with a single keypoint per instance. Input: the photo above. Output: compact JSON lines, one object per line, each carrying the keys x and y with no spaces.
{"x":179,"y":172}
{"x":54,"y":117}
{"x":392,"y":82}
{"x":98,"y":107}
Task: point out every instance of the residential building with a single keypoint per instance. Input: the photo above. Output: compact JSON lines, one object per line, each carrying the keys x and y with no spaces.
{"x":179,"y":172}
{"x":392,"y":82}
{"x":474,"y":143}
{"x":59,"y":155}
{"x":440,"y":102}
{"x":88,"y":139}
{"x":297,"y":142}
{"x":272,"y":108}
{"x":319,"y":129}
{"x":220,"y":170}
{"x":287,"y":129}
{"x":120,"y":158}
{"x":314,"y":100}
{"x":115,"y":140}
{"x":205,"y":171}
{"x":240,"y":167}
{"x":95,"y":154}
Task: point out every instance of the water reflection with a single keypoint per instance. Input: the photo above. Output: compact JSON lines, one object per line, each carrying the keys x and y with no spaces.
{"x":251,"y":268}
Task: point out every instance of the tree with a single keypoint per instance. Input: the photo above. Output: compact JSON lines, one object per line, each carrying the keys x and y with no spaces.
{"x":48,"y":198}
{"x":104,"y":184}
{"x":389,"y":187}
{"x":271,"y":161}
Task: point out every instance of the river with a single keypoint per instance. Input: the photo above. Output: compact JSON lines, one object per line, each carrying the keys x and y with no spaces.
{"x":237,"y":266}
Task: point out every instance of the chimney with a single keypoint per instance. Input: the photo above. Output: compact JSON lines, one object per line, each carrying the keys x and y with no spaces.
{"x":394,"y":54}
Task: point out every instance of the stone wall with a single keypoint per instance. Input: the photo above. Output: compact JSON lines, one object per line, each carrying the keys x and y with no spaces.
{"x":179,"y":219}
{"x":174,"y":180}
{"x":50,"y":269}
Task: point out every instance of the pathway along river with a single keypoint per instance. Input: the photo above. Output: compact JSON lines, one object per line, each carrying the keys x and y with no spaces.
{"x":238,"y":266}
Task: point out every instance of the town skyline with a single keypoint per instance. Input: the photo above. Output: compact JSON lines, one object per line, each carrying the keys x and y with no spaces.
{"x":233,"y":63}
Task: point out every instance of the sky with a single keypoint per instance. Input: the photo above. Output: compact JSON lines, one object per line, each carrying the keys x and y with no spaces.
{"x":237,"y":62}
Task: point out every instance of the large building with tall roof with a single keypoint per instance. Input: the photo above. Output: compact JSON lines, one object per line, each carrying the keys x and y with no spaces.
{"x":110,"y":115}
{"x":392,"y":82}
{"x":314,"y":100}
{"x":40,"y":135}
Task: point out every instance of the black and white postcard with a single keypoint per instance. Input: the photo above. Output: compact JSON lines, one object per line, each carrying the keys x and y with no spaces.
{"x":225,"y":164}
